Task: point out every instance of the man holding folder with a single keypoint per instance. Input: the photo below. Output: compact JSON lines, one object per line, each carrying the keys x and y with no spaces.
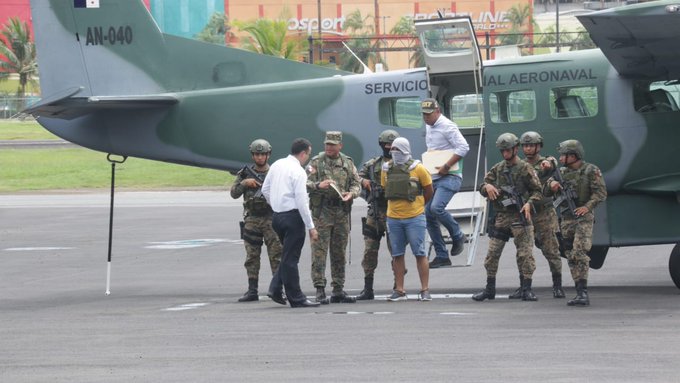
{"x":442,"y":135}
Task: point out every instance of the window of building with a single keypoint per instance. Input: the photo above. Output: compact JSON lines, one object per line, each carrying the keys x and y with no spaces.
{"x":512,"y":106}
{"x":573,"y":102}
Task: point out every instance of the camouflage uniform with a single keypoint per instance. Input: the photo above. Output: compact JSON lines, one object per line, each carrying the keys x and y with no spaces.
{"x":507,"y":218}
{"x":331,"y":216}
{"x":545,"y":226}
{"x":375,"y":230}
{"x":589,"y":185}
{"x":257,"y":226}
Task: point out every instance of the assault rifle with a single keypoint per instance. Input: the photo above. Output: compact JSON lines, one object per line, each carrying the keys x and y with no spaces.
{"x":372,"y":198}
{"x":515,"y":198}
{"x":567,"y":194}
{"x":250,"y":173}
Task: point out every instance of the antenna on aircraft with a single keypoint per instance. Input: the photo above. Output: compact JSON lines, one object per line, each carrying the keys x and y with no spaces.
{"x":366,"y":68}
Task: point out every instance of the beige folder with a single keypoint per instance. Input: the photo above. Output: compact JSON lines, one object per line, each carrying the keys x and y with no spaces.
{"x":433,"y":159}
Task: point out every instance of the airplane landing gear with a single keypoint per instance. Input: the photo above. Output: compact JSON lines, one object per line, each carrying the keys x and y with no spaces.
{"x":674,"y":265}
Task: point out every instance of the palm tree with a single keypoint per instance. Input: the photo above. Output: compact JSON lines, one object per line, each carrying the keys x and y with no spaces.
{"x":405,"y":27}
{"x":18,"y":53}
{"x":519,"y":16}
{"x":269,"y":37}
{"x":216,"y":29}
{"x":361,"y":43}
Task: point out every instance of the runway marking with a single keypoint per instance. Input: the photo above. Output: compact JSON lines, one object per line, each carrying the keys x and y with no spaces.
{"x":456,"y":314}
{"x":37,"y":248}
{"x":436,"y":296}
{"x":190,"y":243}
{"x":359,"y":312}
{"x":188,"y":306}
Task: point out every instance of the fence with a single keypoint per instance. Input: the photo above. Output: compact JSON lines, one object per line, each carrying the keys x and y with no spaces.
{"x":11,"y":107}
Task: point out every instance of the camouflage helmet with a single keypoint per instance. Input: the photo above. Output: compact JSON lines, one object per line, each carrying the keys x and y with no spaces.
{"x":528,"y":138}
{"x":571,"y":147}
{"x":260,"y":146}
{"x":387,"y":136}
{"x":507,"y":141}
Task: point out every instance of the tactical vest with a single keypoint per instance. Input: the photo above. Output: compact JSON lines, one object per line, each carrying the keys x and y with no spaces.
{"x":254,"y":202}
{"x":543,"y":176}
{"x":579,"y":181}
{"x":400,"y":184}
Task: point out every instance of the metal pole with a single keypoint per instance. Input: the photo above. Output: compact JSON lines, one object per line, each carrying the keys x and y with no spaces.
{"x":113,"y":183}
{"x":318,"y":10}
{"x":557,"y":25}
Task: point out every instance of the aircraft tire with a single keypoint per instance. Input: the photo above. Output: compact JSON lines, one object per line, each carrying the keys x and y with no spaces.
{"x":597,"y":255}
{"x":674,"y":265}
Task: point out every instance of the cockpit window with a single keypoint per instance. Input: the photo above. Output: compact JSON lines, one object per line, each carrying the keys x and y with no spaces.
{"x":656,"y":97}
{"x":573,"y":102}
{"x":512,"y":106}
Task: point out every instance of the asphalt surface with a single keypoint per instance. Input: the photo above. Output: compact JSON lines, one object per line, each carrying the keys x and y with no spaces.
{"x":177,"y":272}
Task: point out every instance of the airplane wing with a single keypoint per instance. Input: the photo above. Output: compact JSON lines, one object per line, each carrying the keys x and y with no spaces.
{"x":64,"y":106}
{"x":640,"y":41}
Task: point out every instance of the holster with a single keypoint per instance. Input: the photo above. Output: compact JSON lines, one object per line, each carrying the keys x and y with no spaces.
{"x":241,"y":225}
{"x":503,"y":235}
{"x":370,"y":231}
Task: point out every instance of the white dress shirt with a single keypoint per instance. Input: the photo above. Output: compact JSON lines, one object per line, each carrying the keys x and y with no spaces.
{"x":445,"y":135}
{"x":285,"y":188}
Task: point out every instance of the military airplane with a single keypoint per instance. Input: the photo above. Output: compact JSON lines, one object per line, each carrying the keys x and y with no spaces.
{"x":113,"y":82}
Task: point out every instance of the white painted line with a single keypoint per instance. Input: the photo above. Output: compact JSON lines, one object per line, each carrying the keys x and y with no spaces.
{"x":190,"y":243}
{"x":188,"y":306}
{"x":37,"y":248}
{"x":439,"y":296}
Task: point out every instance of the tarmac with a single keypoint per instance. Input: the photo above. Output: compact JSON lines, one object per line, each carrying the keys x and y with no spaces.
{"x":177,"y":271}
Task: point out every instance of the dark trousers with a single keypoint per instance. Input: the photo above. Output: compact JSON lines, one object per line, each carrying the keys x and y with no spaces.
{"x":291,"y":231}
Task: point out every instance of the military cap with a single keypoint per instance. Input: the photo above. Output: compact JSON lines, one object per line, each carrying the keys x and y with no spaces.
{"x":333,"y":137}
{"x":429,"y":105}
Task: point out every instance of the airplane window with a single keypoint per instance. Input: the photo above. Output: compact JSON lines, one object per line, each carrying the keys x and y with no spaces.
{"x":660,"y":96}
{"x":401,"y":112}
{"x":446,"y":40}
{"x":573,"y":102}
{"x":465,"y":110}
{"x":512,"y":106}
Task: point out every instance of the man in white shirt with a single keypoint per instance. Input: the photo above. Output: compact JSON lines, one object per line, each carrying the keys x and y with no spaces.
{"x":443,"y":134}
{"x":285,"y":188}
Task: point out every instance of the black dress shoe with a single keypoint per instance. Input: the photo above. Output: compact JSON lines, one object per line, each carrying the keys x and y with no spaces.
{"x":305,"y":303}
{"x":278,"y":298}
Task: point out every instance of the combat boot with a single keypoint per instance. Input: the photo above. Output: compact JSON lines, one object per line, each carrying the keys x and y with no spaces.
{"x":527,"y":293}
{"x":489,"y":291}
{"x":581,"y":298}
{"x":321,"y":296}
{"x":251,"y":294}
{"x":342,"y":297}
{"x":518,"y":293}
{"x":367,"y":292}
{"x":557,"y":286}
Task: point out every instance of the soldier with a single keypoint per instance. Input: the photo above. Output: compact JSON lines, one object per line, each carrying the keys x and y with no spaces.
{"x":545,"y":218}
{"x":332,"y":184}
{"x":373,"y":225}
{"x":256,"y":226}
{"x":584,"y":185}
{"x":513,"y":187}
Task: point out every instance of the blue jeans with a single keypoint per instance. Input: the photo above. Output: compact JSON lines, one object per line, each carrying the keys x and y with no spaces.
{"x":409,"y":230}
{"x":435,"y":211}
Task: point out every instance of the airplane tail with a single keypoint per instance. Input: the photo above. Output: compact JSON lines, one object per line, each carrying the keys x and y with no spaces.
{"x":114,"y":47}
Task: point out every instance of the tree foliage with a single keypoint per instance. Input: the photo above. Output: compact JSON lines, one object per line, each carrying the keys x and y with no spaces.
{"x":216,"y":30}
{"x":18,"y":53}
{"x":362,"y":43}
{"x":269,"y":37}
{"x":406,"y":27}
